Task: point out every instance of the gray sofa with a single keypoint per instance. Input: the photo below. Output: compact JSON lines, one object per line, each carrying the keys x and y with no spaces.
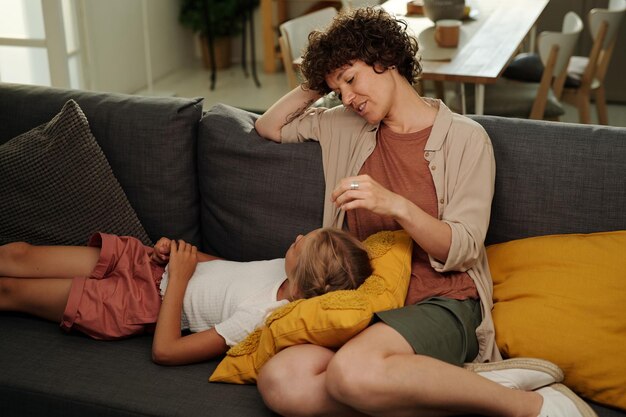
{"x":210,"y":179}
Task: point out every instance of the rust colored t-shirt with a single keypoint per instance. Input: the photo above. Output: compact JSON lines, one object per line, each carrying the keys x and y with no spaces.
{"x":398,"y":164}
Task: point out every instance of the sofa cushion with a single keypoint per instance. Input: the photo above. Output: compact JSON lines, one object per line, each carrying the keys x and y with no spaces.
{"x":329,"y":320}
{"x":257,"y":195}
{"x":56,"y":186}
{"x":150,"y":143}
{"x":561,"y":298}
{"x":555,"y":178}
{"x":47,"y":372}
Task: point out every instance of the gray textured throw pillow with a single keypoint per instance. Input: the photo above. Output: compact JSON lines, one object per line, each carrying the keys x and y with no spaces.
{"x":56,"y":186}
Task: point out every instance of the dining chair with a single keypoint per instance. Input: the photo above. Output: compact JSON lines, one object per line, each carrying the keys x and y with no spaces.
{"x":294,"y":36}
{"x":586,"y":74}
{"x":536,"y":100}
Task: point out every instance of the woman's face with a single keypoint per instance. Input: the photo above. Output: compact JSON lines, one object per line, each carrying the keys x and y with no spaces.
{"x":366,"y":92}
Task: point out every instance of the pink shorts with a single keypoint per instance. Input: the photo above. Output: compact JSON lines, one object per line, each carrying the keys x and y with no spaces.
{"x":121,"y":296}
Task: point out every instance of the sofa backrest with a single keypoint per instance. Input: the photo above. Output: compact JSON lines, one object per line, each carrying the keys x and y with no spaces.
{"x":551,"y":178}
{"x":220,"y":186}
{"x":554,"y":178}
{"x":149,"y":142}
{"x":257,"y":195}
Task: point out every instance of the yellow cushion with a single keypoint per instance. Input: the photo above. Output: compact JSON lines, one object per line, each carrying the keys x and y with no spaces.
{"x":563,"y":298}
{"x":329,"y":320}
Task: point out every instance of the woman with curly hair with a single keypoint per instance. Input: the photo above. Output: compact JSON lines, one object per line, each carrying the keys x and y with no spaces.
{"x":393,"y":159}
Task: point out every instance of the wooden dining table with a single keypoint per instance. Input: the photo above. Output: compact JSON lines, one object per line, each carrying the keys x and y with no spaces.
{"x":491,"y":36}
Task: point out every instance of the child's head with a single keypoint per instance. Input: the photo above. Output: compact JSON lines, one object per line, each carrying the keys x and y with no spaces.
{"x":326,"y":260}
{"x":365,"y":34}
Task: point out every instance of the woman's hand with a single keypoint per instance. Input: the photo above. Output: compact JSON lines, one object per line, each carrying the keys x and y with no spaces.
{"x":183,"y":260}
{"x":430,"y":233}
{"x":161,"y":253}
{"x":363,"y":192}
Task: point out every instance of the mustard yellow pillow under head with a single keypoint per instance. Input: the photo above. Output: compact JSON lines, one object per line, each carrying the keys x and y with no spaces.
{"x":563,"y":298}
{"x":329,"y":320}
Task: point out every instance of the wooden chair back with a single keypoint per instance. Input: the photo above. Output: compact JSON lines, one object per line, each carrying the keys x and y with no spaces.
{"x":604,"y":25}
{"x":612,"y":19}
{"x":294,"y":37}
{"x":555,"y":50}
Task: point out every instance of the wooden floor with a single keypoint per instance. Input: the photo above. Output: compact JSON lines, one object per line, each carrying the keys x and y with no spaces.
{"x":233,"y":88}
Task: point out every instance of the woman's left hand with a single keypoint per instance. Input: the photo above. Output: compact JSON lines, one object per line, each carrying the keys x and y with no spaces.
{"x":363,"y":192}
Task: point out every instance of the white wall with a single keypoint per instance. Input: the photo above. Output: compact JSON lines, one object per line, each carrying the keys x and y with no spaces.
{"x":114,"y":33}
{"x":116,"y":49}
{"x":22,"y":64}
{"x":171,"y":44}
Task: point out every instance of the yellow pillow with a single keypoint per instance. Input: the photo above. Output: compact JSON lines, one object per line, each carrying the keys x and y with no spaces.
{"x":329,"y":320}
{"x":563,"y":298}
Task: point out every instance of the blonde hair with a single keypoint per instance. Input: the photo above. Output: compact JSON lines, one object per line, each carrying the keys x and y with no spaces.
{"x":330,"y":260}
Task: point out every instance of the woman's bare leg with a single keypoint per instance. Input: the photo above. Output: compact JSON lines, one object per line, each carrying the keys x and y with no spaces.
{"x":293,"y":383}
{"x":378,"y":374}
{"x":45,"y":298}
{"x":22,"y":260}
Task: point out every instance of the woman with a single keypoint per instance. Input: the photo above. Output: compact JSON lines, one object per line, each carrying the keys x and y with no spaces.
{"x":113,"y":288}
{"x":393,"y":159}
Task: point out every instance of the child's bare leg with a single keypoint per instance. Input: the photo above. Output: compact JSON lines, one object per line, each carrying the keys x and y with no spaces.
{"x":45,"y":298}
{"x":22,"y":260}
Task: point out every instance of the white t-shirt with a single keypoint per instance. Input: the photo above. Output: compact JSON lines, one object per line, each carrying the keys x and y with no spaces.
{"x":233,"y":297}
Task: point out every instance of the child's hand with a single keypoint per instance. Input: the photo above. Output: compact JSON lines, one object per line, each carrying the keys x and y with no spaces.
{"x":161,"y":253}
{"x":183,"y":260}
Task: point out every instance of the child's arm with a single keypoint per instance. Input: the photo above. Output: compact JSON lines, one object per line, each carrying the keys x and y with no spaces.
{"x":205,"y":257}
{"x":192,"y":348}
{"x":168,"y":346}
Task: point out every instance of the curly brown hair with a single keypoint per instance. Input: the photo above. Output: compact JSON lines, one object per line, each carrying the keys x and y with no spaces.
{"x":368,"y":34}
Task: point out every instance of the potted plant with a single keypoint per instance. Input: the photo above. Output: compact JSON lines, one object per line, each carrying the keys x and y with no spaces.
{"x":225,"y":20}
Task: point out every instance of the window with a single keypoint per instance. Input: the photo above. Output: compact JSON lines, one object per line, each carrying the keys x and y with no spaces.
{"x":39,"y":43}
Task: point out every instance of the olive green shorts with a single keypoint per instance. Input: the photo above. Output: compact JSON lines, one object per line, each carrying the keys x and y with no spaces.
{"x":438,"y":327}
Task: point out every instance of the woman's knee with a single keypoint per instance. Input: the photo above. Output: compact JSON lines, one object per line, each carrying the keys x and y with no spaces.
{"x":352,"y":375}
{"x":290,"y":382}
{"x":272,"y":380}
{"x":357,"y":372}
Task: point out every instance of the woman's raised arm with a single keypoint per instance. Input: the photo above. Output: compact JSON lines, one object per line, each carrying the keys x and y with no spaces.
{"x":286,"y":109}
